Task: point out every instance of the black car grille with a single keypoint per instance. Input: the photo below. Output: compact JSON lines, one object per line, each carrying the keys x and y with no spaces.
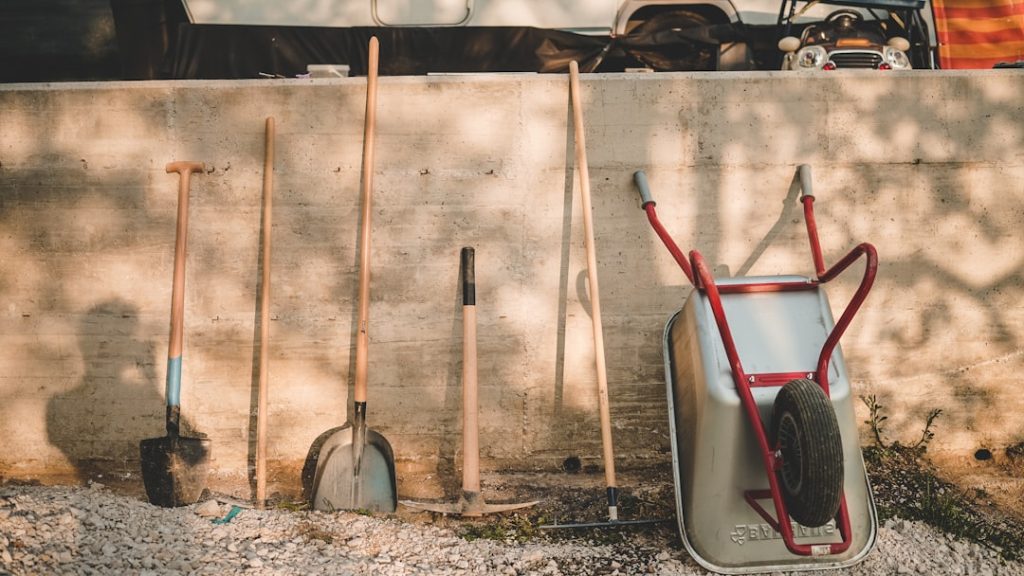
{"x":856,"y":59}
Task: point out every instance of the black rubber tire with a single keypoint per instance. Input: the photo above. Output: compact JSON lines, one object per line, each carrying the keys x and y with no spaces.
{"x":805,"y":429}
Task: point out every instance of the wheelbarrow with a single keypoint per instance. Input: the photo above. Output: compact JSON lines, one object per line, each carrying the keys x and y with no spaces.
{"x":767,"y":465}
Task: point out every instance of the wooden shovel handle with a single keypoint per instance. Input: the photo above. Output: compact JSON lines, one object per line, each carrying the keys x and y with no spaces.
{"x":261,"y":403}
{"x":184,"y":170}
{"x":175,"y":345}
{"x":369,"y":129}
{"x":595,"y":298}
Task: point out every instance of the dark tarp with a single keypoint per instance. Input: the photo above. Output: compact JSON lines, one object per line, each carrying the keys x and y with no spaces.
{"x":69,"y":40}
{"x":220,"y":51}
{"x":145,"y":35}
{"x":54,"y":40}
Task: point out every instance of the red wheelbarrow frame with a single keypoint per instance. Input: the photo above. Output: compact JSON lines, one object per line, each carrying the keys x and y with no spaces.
{"x":697,"y":272}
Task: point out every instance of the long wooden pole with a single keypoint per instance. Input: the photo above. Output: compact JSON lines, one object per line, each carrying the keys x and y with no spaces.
{"x":369,"y":131}
{"x":261,"y":403}
{"x":470,"y":401}
{"x":595,"y":298}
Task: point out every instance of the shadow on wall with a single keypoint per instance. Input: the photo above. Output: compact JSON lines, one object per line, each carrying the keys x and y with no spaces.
{"x":98,"y":424}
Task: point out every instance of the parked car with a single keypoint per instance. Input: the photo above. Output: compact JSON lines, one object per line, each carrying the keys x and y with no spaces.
{"x":845,"y":40}
{"x":205,"y":39}
{"x":504,"y":35}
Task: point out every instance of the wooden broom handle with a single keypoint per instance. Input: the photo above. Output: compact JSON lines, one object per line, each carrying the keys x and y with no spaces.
{"x":261,"y":403}
{"x":369,"y":128}
{"x":595,"y":298}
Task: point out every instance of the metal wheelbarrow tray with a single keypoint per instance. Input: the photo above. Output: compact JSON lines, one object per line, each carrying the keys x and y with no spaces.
{"x":761,"y":416}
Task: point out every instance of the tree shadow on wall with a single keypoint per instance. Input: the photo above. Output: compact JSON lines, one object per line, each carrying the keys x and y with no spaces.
{"x":98,"y":424}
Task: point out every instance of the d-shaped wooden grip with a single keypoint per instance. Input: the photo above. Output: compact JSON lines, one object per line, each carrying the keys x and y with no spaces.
{"x":185,"y":167}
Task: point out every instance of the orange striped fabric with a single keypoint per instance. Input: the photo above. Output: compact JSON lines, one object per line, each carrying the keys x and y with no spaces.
{"x":979,"y":33}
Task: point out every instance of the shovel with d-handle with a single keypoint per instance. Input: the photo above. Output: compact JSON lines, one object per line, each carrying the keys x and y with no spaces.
{"x":470,"y":503}
{"x":174,"y":468}
{"x":355,"y":469}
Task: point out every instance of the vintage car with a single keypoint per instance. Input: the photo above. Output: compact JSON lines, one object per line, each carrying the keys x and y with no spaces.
{"x":845,"y":39}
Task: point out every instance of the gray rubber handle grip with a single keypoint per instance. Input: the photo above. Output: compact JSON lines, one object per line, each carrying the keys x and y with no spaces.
{"x":806,"y":188}
{"x":640,"y":179}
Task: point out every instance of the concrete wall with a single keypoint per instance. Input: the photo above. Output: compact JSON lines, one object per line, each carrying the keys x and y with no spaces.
{"x":928,"y":166}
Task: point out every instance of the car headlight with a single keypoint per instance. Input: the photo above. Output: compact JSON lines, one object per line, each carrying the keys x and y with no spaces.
{"x":811,"y":57}
{"x":896,"y":58}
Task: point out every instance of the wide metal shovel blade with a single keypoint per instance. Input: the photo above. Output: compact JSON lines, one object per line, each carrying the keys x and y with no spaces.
{"x":353,"y":475}
{"x":174,"y":469}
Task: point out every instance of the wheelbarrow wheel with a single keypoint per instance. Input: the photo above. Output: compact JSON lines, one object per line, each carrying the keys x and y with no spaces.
{"x":805,"y":430}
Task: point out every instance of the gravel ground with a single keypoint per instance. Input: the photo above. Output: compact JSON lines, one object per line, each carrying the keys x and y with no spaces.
{"x":64,"y":530}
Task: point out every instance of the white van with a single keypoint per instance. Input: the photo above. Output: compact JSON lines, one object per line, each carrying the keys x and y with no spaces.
{"x":736,"y":28}
{"x":603,"y":17}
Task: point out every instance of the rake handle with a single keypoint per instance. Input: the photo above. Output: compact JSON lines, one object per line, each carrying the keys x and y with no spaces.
{"x":261,"y":403}
{"x":608,"y":452}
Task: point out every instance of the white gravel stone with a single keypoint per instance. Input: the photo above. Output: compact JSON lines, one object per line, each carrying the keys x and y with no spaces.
{"x":94,"y":531}
{"x":208,"y":509}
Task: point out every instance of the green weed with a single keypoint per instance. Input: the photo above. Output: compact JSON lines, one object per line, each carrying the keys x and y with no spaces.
{"x":290,"y":506}
{"x":513,"y":527}
{"x":907,"y":486}
{"x":311,"y":531}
